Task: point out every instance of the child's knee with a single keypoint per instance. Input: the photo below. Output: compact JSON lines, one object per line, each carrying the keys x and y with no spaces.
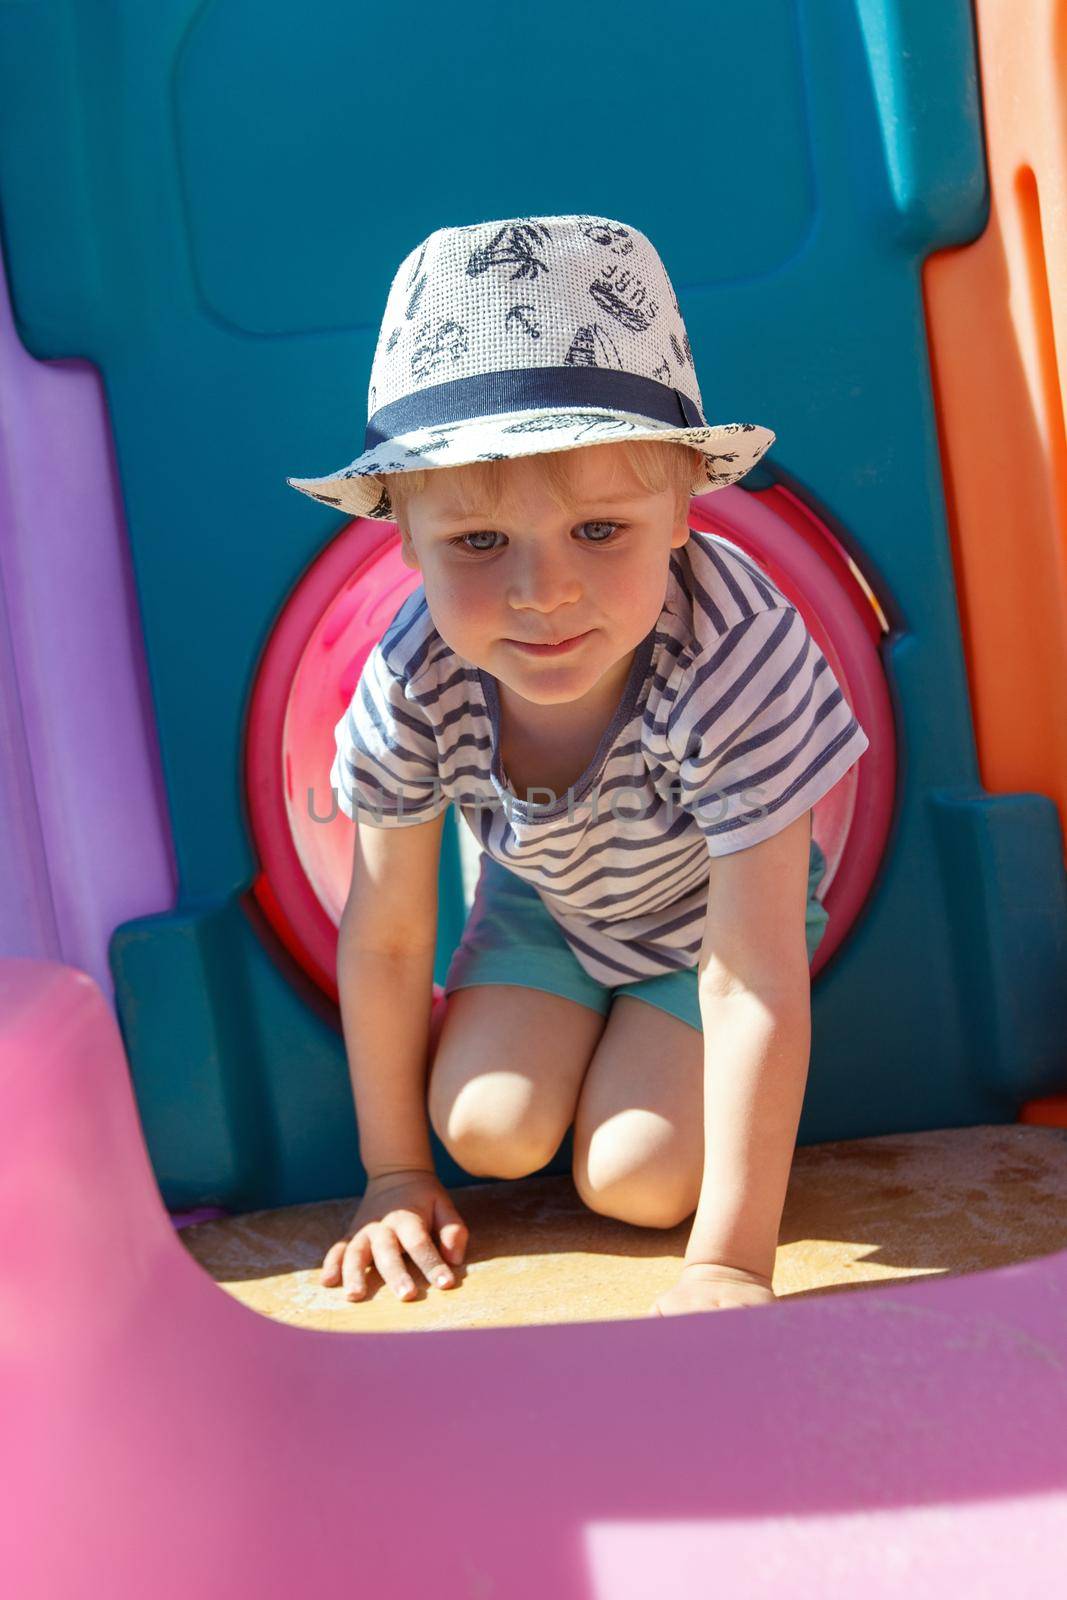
{"x":627,"y":1171}
{"x":490,"y":1135}
{"x":487,"y":1155}
{"x":642,"y":1204}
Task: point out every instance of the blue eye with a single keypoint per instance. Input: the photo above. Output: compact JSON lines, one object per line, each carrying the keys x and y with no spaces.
{"x":484,"y":533}
{"x":462,"y":540}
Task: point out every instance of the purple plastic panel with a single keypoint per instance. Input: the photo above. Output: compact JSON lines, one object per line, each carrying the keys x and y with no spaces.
{"x":84,"y":832}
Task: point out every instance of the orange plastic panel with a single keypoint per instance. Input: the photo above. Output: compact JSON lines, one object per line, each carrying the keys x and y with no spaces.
{"x":997,"y":324}
{"x":996,"y":314}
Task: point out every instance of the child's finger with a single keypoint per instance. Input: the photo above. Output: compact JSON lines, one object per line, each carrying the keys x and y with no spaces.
{"x":411,"y":1231}
{"x":452,"y":1229}
{"x":330,"y":1273}
{"x":385,"y":1249}
{"x":357,"y":1258}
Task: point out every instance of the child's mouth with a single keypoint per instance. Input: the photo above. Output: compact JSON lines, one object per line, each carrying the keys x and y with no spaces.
{"x":550,"y":649}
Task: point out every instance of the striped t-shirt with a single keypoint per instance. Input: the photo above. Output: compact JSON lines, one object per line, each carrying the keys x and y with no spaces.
{"x":730,"y":726}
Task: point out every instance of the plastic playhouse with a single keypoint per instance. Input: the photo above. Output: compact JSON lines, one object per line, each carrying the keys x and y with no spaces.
{"x":864,"y":208}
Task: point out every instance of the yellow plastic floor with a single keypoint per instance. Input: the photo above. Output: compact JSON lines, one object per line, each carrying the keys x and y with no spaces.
{"x":858,"y":1212}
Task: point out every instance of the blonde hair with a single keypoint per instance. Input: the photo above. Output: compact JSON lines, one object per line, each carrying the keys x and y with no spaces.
{"x":657,"y":464}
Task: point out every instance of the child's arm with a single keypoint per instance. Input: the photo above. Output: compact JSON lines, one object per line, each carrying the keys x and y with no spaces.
{"x":756,"y":1052}
{"x":755,"y":1007}
{"x":385,"y":954}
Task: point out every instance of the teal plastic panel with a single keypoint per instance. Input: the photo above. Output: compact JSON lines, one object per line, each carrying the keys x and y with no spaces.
{"x":209,"y":201}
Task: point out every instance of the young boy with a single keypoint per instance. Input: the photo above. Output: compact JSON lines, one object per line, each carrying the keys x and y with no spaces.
{"x":635,"y":723}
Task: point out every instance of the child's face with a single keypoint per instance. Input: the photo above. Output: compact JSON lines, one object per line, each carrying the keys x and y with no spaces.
{"x":540,"y":574}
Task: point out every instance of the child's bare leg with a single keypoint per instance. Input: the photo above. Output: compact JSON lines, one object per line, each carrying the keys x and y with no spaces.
{"x":505,"y":1075}
{"x":639,"y":1122}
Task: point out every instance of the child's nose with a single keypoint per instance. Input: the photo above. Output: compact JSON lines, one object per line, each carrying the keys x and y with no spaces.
{"x":544,"y":580}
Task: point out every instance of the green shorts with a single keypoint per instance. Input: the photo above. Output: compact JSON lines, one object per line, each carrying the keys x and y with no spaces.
{"x":510,"y":937}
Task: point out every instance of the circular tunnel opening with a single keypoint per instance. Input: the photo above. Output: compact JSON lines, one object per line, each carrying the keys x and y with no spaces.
{"x":346,"y":600}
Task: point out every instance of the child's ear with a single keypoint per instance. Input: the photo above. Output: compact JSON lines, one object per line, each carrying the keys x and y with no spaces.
{"x":681,"y":530}
{"x":408,"y":554}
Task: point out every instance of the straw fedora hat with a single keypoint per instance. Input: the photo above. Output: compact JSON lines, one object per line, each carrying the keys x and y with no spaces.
{"x":533,"y":334}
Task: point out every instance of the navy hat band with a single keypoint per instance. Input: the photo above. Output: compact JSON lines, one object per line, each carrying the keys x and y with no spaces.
{"x":489,"y":394}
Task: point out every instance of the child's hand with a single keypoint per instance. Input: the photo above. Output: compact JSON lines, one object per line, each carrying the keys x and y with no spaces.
{"x":704,"y":1286}
{"x":398,"y":1211}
